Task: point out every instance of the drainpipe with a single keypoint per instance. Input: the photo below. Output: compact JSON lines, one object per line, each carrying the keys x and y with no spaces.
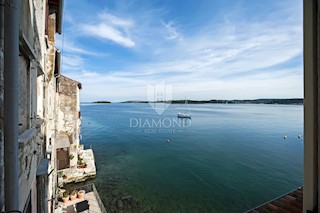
{"x":1,"y":90}
{"x":1,"y":27}
{"x":11,"y":69}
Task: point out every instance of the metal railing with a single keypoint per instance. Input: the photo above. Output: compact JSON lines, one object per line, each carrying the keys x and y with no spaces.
{"x":272,"y":200}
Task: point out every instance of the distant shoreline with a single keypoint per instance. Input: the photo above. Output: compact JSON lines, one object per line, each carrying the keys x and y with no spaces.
{"x":291,"y":101}
{"x":101,"y":102}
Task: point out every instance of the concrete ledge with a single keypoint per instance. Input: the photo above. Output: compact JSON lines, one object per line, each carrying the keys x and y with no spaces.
{"x":26,"y":136}
{"x":43,"y":167}
{"x":25,"y":47}
{"x":40,"y":122}
{"x":81,"y":174}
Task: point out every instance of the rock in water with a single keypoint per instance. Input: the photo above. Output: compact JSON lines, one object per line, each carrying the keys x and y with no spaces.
{"x":115,"y":193}
{"x":114,"y":201}
{"x":120,"y":204}
{"x":126,"y":197}
{"x":113,"y":209}
{"x":134,"y":203}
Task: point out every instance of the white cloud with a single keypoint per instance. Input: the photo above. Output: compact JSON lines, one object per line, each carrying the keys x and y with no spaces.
{"x":114,"y":87}
{"x":111,"y":28}
{"x":108,"y":32}
{"x":207,"y":67}
{"x":235,"y":59}
{"x":71,"y":62}
{"x":171,"y":31}
{"x":116,"y":21}
{"x":69,"y":47}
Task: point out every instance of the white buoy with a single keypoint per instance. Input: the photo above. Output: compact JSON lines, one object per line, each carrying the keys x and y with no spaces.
{"x":299,"y":136}
{"x":285,"y":137}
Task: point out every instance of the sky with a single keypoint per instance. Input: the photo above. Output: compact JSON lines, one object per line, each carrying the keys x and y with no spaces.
{"x":201,"y":49}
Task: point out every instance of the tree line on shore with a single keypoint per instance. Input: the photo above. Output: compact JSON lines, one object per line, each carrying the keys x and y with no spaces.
{"x":220,"y":101}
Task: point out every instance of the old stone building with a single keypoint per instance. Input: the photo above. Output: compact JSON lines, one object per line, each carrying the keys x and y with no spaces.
{"x":38,"y":69}
{"x":40,"y":116}
{"x":68,"y":124}
{"x":74,"y":163}
{"x":49,"y":95}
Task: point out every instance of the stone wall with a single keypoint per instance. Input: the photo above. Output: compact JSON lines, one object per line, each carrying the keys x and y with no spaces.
{"x":37,"y":103}
{"x":50,"y":104}
{"x":24,"y":96}
{"x":30,"y":134}
{"x":31,"y":131}
{"x":68,"y":113}
{"x":69,"y":116}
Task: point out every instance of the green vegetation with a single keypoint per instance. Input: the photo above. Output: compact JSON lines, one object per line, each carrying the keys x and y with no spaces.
{"x":60,"y":174}
{"x":101,"y":102}
{"x":261,"y":101}
{"x":65,"y":194}
{"x":213,"y":101}
{"x":71,"y":156}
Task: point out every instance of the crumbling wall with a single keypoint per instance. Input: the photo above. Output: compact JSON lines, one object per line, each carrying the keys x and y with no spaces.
{"x":24,"y":104}
{"x":50,"y":60}
{"x":50,"y":104}
{"x":68,"y":113}
{"x":30,"y":132}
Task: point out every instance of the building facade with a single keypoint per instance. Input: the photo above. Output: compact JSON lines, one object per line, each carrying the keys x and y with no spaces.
{"x":38,"y":70}
{"x":68,"y":125}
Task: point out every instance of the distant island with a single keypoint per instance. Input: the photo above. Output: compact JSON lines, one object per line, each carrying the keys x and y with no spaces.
{"x":255,"y":101}
{"x":138,"y":102}
{"x":101,"y":102}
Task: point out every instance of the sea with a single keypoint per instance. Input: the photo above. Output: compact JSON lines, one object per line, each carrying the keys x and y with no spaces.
{"x":226,"y":158}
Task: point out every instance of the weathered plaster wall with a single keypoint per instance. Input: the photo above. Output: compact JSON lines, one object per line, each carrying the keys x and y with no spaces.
{"x":33,"y":95}
{"x":30,"y":152}
{"x":50,"y":60}
{"x":26,"y":20}
{"x":68,"y":116}
{"x":37,"y":99}
{"x":40,"y":96}
{"x":50,"y":104}
{"x":34,"y":197}
{"x":29,"y":157}
{"x":23,"y":94}
{"x":68,"y":109}
{"x":31,"y":149}
{"x":39,"y":30}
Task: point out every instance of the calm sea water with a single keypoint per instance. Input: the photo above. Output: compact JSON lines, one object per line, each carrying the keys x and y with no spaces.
{"x":230,"y":158}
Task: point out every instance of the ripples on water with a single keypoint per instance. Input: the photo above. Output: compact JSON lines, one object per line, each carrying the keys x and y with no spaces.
{"x":232,"y":157}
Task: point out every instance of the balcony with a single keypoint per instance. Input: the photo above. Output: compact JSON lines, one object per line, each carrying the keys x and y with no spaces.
{"x":90,"y":203}
{"x":291,"y":202}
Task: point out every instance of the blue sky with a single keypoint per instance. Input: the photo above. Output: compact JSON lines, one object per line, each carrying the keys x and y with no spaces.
{"x":206,"y":49}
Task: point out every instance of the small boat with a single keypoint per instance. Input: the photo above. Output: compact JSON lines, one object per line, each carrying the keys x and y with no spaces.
{"x":185,"y":115}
